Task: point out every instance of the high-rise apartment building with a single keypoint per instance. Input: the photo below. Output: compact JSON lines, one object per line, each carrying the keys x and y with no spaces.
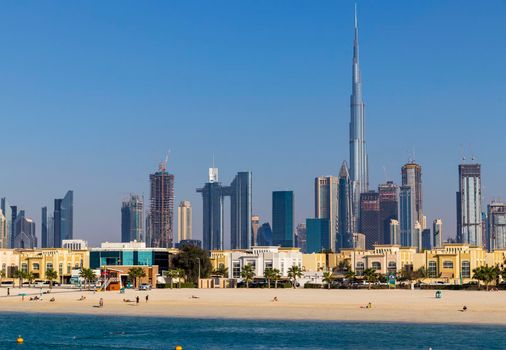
{"x":497,"y":225}
{"x":407,"y":219}
{"x":282,"y":218}
{"x":132,"y":219}
{"x":301,"y":234}
{"x":469,"y":215}
{"x":345,"y":220}
{"x":395,"y":232}
{"x":213,"y":213}
{"x":255,"y":225}
{"x":7,"y":212}
{"x":161,"y":209}
{"x":43,"y":228}
{"x":326,"y":204}
{"x":63,"y":216}
{"x":370,"y":218}
{"x":437,"y":233}
{"x":24,"y":232}
{"x":264,"y":235}
{"x":426,"y":239}
{"x":358,"y":153}
{"x":317,"y":235}
{"x":389,"y":209}
{"x":184,"y":221}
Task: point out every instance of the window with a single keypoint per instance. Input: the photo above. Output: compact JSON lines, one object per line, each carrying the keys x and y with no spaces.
{"x":49,"y":266}
{"x":447,"y":264}
{"x":4,"y":267}
{"x":359,"y":270}
{"x":36,"y":266}
{"x":68,"y":268}
{"x":24,"y":267}
{"x":392,"y":267}
{"x":376,"y":265}
{"x":236,"y":269}
{"x":60,"y":270}
{"x":268,"y":264}
{"x":466,"y":269}
{"x":432,"y":269}
{"x":253,"y":264}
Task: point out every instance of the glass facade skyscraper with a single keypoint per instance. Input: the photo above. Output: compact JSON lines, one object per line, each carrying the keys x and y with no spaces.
{"x":317,"y":238}
{"x":469,"y":215}
{"x":389,"y":209}
{"x":345,"y":220}
{"x":407,"y":216}
{"x":132,"y":219}
{"x":497,"y":226}
{"x":63,"y":216}
{"x":282,"y":218}
{"x":326,"y":204}
{"x":370,"y":218}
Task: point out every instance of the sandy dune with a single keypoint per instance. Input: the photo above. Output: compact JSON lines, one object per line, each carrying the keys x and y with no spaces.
{"x":388,"y":305}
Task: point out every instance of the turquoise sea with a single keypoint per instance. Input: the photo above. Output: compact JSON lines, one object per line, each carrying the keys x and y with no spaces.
{"x":109,"y":332}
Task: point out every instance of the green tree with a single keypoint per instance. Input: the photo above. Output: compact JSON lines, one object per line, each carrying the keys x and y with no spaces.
{"x":20,"y":275}
{"x":51,"y":275}
{"x":370,"y":276}
{"x":221,"y":271}
{"x":269,"y":275}
{"x":350,"y":275}
{"x":294,"y":272}
{"x":247,"y":274}
{"x":328,"y":278}
{"x":276,"y":276}
{"x":2,"y":275}
{"x":171,"y":274}
{"x":30,"y":277}
{"x":136,"y":273}
{"x":188,"y":259}
{"x":486,"y":274}
{"x":343,"y":266}
{"x":88,"y":275}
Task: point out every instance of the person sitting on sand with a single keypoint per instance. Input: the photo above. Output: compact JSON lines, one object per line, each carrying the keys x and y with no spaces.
{"x":81,"y":298}
{"x":128,"y":301}
{"x":101,"y":303}
{"x":52,"y":299}
{"x":195,"y":297}
{"x":275,"y":299}
{"x":368,"y":306}
{"x":464,"y":308}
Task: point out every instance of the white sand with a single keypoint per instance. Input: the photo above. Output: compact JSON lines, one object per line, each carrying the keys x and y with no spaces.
{"x":388,"y":305}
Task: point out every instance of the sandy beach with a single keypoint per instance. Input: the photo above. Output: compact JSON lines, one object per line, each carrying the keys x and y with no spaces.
{"x":338,"y":305}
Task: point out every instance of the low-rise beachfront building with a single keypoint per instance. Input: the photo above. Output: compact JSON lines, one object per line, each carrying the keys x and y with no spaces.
{"x":9,"y":262}
{"x":259,"y":257}
{"x":497,"y":257}
{"x":63,"y":261}
{"x":130,"y":254}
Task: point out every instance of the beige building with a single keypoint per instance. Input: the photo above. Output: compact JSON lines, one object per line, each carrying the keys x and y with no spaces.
{"x":9,"y":261}
{"x":184,"y":221}
{"x":4,"y":236}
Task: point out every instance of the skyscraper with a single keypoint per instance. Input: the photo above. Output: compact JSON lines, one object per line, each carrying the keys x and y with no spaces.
{"x":4,"y":237}
{"x":255,"y":225}
{"x":412,"y":177}
{"x":43,"y":228}
{"x":345,"y":222}
{"x":437,"y":233}
{"x":497,"y":225}
{"x":469,"y":223}
{"x":63,"y":219}
{"x":426,"y":239}
{"x":184,"y":221}
{"x":161,"y":208}
{"x":264,"y":235}
{"x":301,"y":233}
{"x":395,"y":234}
{"x":7,"y":212}
{"x":358,"y":153}
{"x":407,"y":219}
{"x":240,"y":207}
{"x":326,"y":204}
{"x":282,"y":218}
{"x":317,"y":235}
{"x":24,"y":232}
{"x":212,"y":212}
{"x":213,"y":194}
{"x":370,"y":218}
{"x":132,"y":219}
{"x":389,"y":209}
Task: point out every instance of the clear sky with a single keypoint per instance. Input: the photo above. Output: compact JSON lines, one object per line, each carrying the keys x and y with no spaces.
{"x":93,"y":94}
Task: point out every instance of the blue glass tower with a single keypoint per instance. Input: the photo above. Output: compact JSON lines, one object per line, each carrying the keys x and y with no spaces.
{"x":317,"y":235}
{"x":282,"y":218}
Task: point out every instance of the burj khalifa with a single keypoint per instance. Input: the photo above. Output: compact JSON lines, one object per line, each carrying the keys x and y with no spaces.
{"x":358,"y":155}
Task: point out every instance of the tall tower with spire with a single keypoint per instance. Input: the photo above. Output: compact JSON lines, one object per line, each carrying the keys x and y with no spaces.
{"x":358,"y":155}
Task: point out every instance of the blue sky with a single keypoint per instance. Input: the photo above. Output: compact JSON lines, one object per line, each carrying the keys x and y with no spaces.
{"x":93,"y":94}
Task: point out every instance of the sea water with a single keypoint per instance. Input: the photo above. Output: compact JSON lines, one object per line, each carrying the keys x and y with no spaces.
{"x":112,"y":332}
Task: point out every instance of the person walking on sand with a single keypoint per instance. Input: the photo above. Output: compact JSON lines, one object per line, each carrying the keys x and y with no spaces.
{"x":137,"y":300}
{"x":101,"y":303}
{"x":8,"y":291}
{"x":147,"y":297}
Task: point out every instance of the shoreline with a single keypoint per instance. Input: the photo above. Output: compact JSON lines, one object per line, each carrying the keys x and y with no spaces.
{"x":388,"y":306}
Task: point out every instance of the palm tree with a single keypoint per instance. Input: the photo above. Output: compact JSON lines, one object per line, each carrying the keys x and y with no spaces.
{"x":30,"y":277}
{"x":294,"y":272}
{"x":276,"y":276}
{"x":247,"y":274}
{"x":221,"y":271}
{"x":51,"y":275}
{"x":486,"y":274}
{"x":88,"y":275}
{"x":135,"y":273}
{"x":350,"y":275}
{"x":343,"y":266}
{"x":269,"y":275}
{"x":328,"y":278}
{"x":370,"y":276}
{"x":20,"y":275}
{"x":174,"y":273}
{"x":2,"y":275}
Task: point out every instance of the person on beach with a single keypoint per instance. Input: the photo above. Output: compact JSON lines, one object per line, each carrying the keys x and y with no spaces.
{"x":8,"y":291}
{"x":147,"y":298}
{"x":137,"y":300}
{"x":101,"y":303}
{"x":52,"y":299}
{"x":127,"y":300}
{"x":464,"y":308}
{"x":275,"y":299}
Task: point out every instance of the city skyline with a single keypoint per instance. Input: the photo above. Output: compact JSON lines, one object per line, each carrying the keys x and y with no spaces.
{"x":439,"y":109}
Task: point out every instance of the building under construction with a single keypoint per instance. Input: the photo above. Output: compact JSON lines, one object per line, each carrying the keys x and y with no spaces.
{"x":161,"y":214}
